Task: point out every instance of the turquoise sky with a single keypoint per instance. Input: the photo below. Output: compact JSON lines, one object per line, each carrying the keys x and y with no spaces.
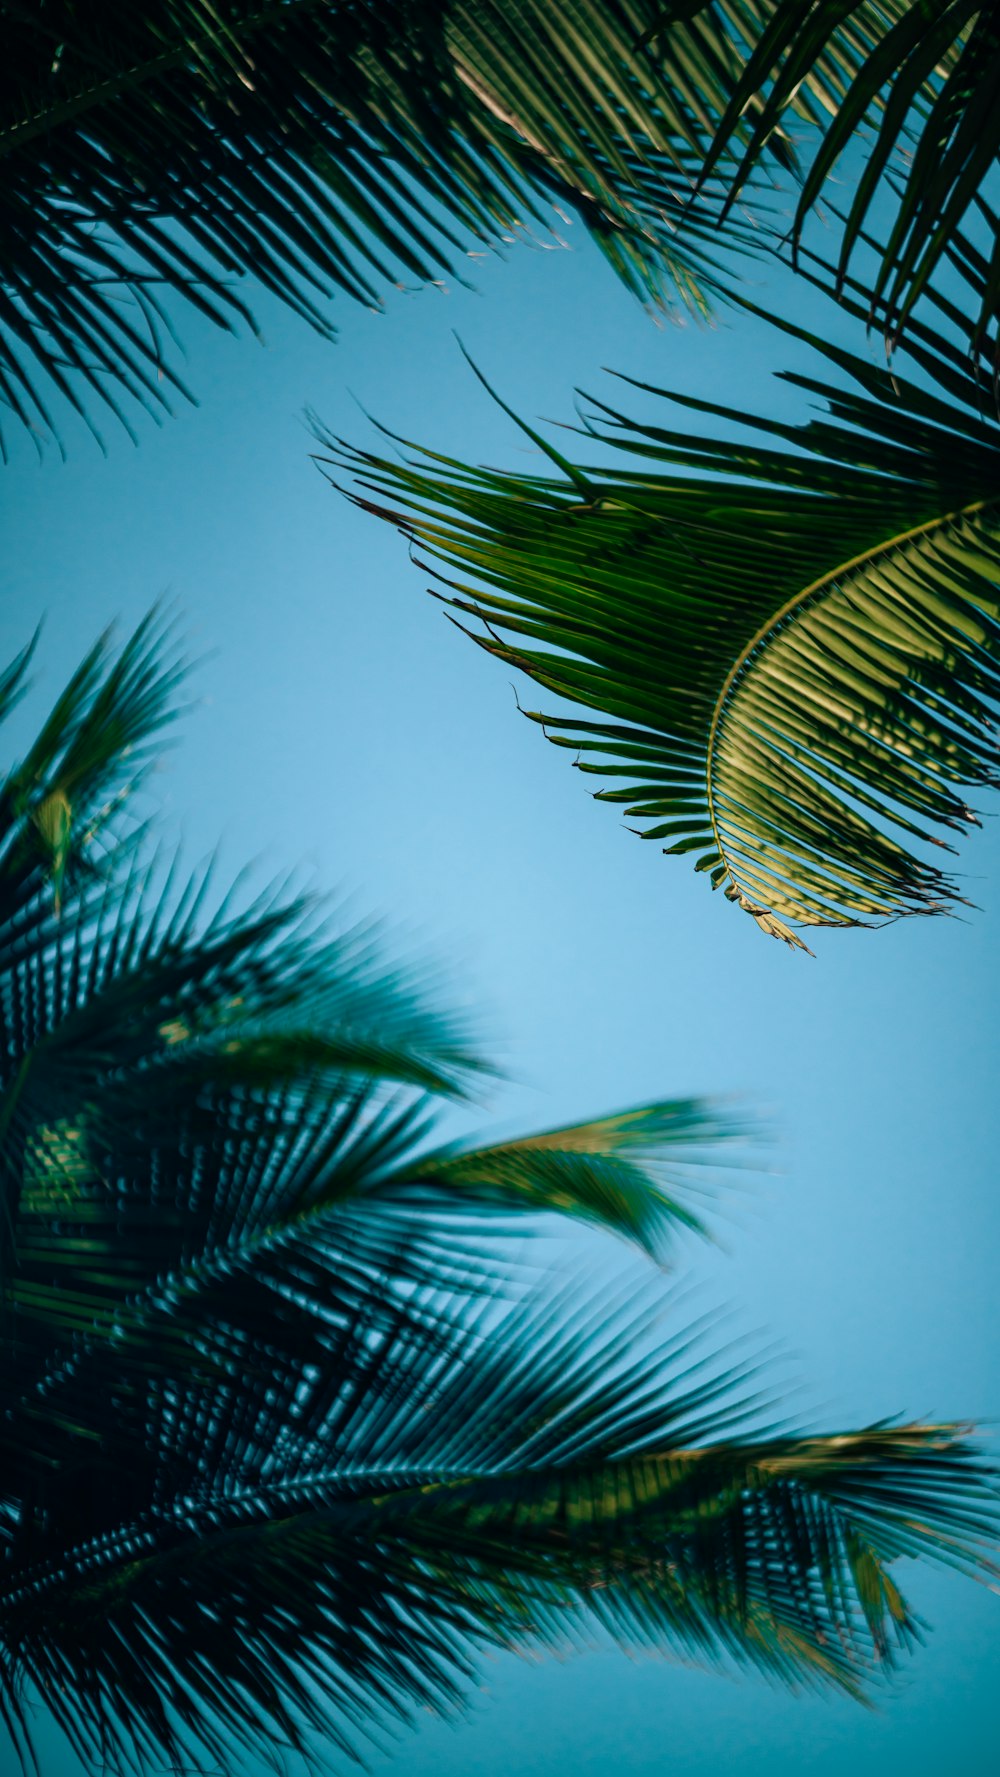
{"x":341,"y":725}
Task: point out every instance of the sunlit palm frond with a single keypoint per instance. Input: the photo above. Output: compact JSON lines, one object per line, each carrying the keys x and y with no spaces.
{"x":328,"y":1549}
{"x":163,"y":150}
{"x":789,"y":635}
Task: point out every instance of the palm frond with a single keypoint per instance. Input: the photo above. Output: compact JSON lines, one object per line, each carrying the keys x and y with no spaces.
{"x":790,"y":638}
{"x":924,"y":90}
{"x":634,"y":1173}
{"x":329,"y":1555}
{"x":283,"y":1446}
{"x":187,"y":1097}
{"x":60,"y":806}
{"x":182,"y":1102}
{"x":163,"y":150}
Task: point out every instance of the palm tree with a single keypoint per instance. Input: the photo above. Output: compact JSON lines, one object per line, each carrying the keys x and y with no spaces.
{"x":285,"y":1439}
{"x":786,"y":643}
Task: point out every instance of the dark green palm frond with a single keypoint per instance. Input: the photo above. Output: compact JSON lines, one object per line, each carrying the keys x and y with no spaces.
{"x":791,"y":641}
{"x":281,"y":1447}
{"x":926,"y":91}
{"x":165,"y":149}
{"x":326,"y":1553}
{"x":184,"y":1098}
{"x":245,"y":1058}
{"x":58,"y":805}
{"x":188,"y":1096}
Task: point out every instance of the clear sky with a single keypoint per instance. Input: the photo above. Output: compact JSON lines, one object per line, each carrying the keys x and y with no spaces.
{"x":340,"y":724}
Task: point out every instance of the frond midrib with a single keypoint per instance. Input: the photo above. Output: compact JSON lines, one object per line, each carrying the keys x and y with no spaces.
{"x":372,"y":1487}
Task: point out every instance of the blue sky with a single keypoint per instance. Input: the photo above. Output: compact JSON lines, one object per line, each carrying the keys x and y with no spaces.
{"x":339,"y":724}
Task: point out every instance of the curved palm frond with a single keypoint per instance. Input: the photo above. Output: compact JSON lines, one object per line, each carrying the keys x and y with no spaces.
{"x":634,"y":1173}
{"x":165,"y":149}
{"x":792,"y":640}
{"x":925,"y":89}
{"x":213,"y":1128}
{"x":242,"y":1062}
{"x":325,"y":1549}
{"x":282,"y":1448}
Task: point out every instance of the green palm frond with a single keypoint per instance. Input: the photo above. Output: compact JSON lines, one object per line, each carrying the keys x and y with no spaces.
{"x":186,"y":1097}
{"x":60,"y":806}
{"x":924,"y":90}
{"x":789,"y":635}
{"x":234,"y":1052}
{"x":634,"y":1173}
{"x":283,"y":1446}
{"x":164,"y":149}
{"x":327,"y":1549}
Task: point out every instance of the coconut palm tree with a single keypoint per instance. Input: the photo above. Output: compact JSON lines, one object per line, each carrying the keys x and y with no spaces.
{"x":784,"y":644}
{"x":285,"y":1438}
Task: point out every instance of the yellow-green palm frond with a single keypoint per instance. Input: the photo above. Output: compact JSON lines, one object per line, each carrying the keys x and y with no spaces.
{"x":783,"y":644}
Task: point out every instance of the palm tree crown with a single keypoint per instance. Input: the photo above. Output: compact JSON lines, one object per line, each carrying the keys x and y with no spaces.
{"x":283,"y":1442}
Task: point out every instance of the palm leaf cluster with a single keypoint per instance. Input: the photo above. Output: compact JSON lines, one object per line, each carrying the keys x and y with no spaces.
{"x":284,"y":1440}
{"x":321,"y":1547}
{"x":164,"y":150}
{"x":323,"y":145}
{"x":789,"y":633}
{"x":924,"y":93}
